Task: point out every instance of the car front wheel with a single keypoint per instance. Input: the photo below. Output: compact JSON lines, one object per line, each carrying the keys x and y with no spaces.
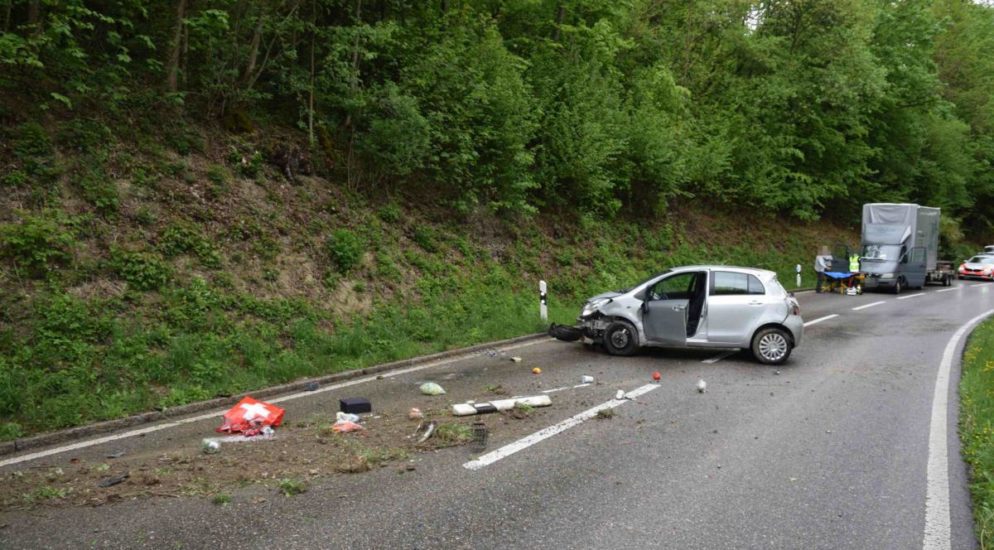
{"x":620,"y":338}
{"x":771,"y":346}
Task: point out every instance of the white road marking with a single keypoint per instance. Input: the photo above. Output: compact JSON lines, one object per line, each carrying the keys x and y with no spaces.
{"x":949,"y":289}
{"x":220,"y":412}
{"x":911,"y":296}
{"x":820,"y":319}
{"x":545,"y":433}
{"x":978,"y":284}
{"x":566,"y":388}
{"x":720,"y":356}
{"x":868,"y":305}
{"x":938,"y":531}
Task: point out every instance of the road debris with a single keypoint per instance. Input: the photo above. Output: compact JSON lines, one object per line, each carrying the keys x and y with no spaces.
{"x":431,"y":388}
{"x":210,"y":446}
{"x":620,"y":394}
{"x":415,"y":414}
{"x":702,"y":386}
{"x":471,"y":407}
{"x":355,"y":405}
{"x":250,"y":416}
{"x":586,"y":379}
{"x":311,"y":386}
{"x":116,"y":454}
{"x":515,"y":359}
{"x":480,"y":436}
{"x":346,"y":417}
{"x":345,"y":426}
{"x":656,"y":376}
{"x":536,"y":370}
{"x":565,"y":333}
{"x":112,"y":481}
{"x":426,"y":429}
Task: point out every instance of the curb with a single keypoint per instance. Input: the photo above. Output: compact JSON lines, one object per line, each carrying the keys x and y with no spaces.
{"x":70,"y":434}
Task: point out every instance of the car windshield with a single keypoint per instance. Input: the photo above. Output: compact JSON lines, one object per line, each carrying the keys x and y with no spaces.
{"x":985,"y":260}
{"x":881,"y":252}
{"x":644,"y":281}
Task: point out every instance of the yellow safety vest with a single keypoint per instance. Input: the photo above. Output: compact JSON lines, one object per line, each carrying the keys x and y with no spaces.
{"x":853,"y":263}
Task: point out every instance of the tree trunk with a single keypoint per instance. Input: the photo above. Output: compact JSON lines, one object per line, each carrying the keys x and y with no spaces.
{"x":172,"y":65}
{"x":354,"y":80}
{"x":254,"y":53}
{"x":310,"y":101}
{"x":6,"y":16}
{"x":560,"y":15}
{"x":34,"y":12}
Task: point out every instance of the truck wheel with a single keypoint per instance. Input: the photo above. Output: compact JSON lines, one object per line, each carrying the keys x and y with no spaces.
{"x":771,"y":346}
{"x":946,"y":280}
{"x":898,"y":286}
{"x":620,"y":338}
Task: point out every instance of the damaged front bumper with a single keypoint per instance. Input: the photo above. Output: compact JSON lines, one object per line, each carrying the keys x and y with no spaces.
{"x":593,"y":327}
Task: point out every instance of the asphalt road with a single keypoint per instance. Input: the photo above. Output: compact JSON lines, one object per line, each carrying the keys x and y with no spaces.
{"x":830,"y":450}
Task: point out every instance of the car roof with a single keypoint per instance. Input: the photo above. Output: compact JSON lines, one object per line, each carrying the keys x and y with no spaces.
{"x":765,"y":273}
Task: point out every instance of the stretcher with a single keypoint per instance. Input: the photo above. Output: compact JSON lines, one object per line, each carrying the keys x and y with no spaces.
{"x":844,"y":282}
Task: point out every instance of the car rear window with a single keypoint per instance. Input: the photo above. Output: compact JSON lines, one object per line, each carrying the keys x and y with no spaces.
{"x":729,"y":283}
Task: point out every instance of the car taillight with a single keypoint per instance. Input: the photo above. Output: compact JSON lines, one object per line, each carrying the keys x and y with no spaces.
{"x":796,"y":309}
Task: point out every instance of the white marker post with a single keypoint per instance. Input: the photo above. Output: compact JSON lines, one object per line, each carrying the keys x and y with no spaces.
{"x":798,"y":269}
{"x":543,"y":307}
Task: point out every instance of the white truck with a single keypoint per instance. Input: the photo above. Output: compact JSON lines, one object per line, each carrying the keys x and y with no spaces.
{"x":900,"y":247}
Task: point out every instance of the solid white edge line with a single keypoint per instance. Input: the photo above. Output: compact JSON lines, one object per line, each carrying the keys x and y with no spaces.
{"x":545,"y":433}
{"x":820,"y":319}
{"x":868,"y":305}
{"x":938,"y":529}
{"x":911,"y":296}
{"x":720,"y":356}
{"x":220,"y":412}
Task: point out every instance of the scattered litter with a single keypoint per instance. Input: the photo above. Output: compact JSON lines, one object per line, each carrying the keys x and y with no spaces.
{"x":515,"y":359}
{"x":344,"y":426}
{"x":480,"y":436}
{"x":210,"y":446}
{"x":268,"y":431}
{"x":536,"y":370}
{"x":112,"y":481}
{"x":355,"y":405}
{"x":426,"y":429}
{"x":702,"y":386}
{"x":250,"y":416}
{"x":116,"y":454}
{"x":346,"y":417}
{"x":776,"y":373}
{"x":470,"y":407}
{"x":656,"y":376}
{"x":311,"y":386}
{"x":586,"y":379}
{"x":410,"y":467}
{"x":620,"y":394}
{"x":494,"y":353}
{"x":431,"y":388}
{"x":415,"y":414}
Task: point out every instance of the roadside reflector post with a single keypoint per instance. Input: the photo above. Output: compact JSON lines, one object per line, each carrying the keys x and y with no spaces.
{"x":543,"y":301}
{"x":798,"y":269}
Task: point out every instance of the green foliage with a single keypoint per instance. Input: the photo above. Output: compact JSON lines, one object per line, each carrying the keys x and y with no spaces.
{"x":142,"y":270}
{"x":976,"y":426}
{"x":345,"y":249}
{"x":183,"y":239}
{"x":38,"y":243}
{"x":99,"y":190}
{"x":291,"y":487}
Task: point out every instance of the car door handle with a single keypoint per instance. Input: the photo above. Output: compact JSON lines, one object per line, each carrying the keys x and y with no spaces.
{"x":755,"y":303}
{"x":679,"y":308}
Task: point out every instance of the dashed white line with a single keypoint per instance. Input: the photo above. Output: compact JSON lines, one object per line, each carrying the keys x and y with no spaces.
{"x":219,"y":412}
{"x":820,"y":319}
{"x":911,"y":296}
{"x":949,"y":289}
{"x":545,"y":433}
{"x":720,"y":356}
{"x":868,"y":305}
{"x":938,"y":533}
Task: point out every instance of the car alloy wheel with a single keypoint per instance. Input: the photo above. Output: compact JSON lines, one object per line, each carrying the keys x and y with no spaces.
{"x":771,"y":346}
{"x":620,"y":338}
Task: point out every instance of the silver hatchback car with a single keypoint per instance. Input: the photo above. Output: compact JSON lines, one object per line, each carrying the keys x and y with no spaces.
{"x":699,"y":307}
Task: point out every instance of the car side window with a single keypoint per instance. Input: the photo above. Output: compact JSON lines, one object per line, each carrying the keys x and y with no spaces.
{"x":727,"y":283}
{"x":676,"y":287}
{"x":755,"y":286}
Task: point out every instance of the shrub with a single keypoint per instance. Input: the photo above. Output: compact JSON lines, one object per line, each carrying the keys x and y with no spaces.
{"x":83,"y":135}
{"x":390,"y":213}
{"x":425,"y":237}
{"x":99,"y":191}
{"x":177,"y":240}
{"x":38,"y":243}
{"x":345,"y":249}
{"x":142,"y":270}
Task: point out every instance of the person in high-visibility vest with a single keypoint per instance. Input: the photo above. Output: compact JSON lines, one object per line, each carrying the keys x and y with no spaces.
{"x":854,"y":263}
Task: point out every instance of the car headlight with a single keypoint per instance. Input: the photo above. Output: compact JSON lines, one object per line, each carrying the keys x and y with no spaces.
{"x":590,"y":307}
{"x":887,"y":276}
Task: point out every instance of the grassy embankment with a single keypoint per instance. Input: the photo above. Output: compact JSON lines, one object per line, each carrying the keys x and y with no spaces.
{"x":154,"y":268}
{"x":977,"y":427}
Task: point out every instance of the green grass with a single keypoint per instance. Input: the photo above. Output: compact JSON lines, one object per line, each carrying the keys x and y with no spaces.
{"x":977,"y":427}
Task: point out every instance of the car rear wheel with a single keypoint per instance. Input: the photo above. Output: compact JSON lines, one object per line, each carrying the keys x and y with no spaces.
{"x":620,"y":338}
{"x":771,"y":346}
